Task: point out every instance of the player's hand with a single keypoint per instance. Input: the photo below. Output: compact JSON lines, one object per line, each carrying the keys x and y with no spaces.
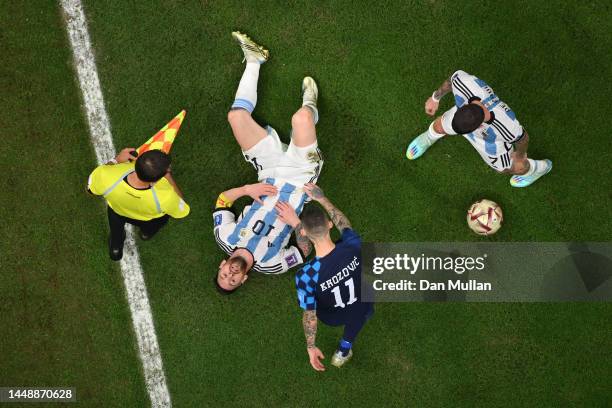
{"x":431,"y":106}
{"x":125,"y":155}
{"x":287,"y":214}
{"x":256,"y":191}
{"x":314,"y":192}
{"x":315,"y":356}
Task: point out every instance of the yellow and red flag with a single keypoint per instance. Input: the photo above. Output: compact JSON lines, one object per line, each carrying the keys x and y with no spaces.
{"x":163,"y":139}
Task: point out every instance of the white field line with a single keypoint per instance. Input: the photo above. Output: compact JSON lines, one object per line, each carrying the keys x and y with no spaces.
{"x":102,"y":140}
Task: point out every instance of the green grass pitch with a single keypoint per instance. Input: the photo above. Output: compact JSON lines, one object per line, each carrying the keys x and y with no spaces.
{"x":63,"y":313}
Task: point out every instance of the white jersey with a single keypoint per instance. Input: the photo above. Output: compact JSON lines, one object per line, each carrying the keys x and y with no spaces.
{"x":494,"y":138}
{"x":259,"y":230}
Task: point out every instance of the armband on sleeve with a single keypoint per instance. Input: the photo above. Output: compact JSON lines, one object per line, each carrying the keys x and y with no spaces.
{"x":223,"y":202}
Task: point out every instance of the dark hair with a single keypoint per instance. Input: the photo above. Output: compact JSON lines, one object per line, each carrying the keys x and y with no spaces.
{"x":242,"y":264}
{"x":314,"y":220}
{"x":221,"y":290}
{"x":468,"y":118}
{"x":152,"y":165}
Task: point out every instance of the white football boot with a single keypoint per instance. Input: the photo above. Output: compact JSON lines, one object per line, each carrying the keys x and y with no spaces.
{"x":524,"y":181}
{"x":338,"y":360}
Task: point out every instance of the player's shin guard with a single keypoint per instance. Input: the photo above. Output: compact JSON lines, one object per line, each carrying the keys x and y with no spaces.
{"x":246,"y":95}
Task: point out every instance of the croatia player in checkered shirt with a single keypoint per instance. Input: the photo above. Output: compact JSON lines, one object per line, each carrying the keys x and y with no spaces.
{"x":487,"y":123}
{"x":257,"y":238}
{"x":329,"y":285}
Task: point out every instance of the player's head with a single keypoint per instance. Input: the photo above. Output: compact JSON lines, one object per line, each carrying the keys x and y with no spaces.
{"x":315,"y":222}
{"x":152,"y":165}
{"x":232,"y":274}
{"x":468,"y":118}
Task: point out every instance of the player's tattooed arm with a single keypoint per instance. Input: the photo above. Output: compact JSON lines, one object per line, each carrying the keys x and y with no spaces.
{"x":309,"y":321}
{"x":433,"y":102}
{"x":287,"y":214}
{"x":338,"y":218}
{"x":302,"y":240}
{"x":442,"y":90}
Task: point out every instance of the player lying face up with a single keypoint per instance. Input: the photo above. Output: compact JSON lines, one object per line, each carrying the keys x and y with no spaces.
{"x":258,"y":238}
{"x":233,"y":271}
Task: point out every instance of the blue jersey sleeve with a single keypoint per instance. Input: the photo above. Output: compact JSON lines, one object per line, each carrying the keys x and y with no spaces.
{"x":350,"y":238}
{"x":306,"y":282}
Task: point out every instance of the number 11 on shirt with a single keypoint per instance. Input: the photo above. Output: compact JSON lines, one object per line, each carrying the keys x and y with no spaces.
{"x":338,"y":297}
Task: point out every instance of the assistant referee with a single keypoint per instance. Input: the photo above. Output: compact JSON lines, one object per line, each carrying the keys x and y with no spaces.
{"x":138,"y":191}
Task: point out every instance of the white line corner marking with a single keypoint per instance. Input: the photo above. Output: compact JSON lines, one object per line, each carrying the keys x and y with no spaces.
{"x":102,"y":140}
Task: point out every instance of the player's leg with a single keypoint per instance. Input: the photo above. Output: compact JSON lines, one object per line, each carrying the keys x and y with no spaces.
{"x":246,"y":131}
{"x":436,"y":131}
{"x":351,"y":330}
{"x":526,"y":171}
{"x":302,"y":162}
{"x":305,"y":119}
{"x":117,"y":234}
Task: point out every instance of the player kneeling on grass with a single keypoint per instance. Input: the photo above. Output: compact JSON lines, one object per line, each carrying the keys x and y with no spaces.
{"x":329,"y":285}
{"x":487,"y":123}
{"x":257,"y":238}
{"x":138,"y":191}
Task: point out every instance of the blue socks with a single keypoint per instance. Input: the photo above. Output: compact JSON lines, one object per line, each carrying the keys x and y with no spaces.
{"x":345,"y":347}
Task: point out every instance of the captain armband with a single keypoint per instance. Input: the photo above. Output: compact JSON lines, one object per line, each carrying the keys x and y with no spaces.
{"x":223,"y":202}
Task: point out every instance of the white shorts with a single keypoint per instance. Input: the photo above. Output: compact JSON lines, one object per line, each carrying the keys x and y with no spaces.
{"x":295,"y":165}
{"x":498,"y":157}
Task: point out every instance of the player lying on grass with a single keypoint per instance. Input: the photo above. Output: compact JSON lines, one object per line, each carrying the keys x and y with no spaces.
{"x":258,"y":239}
{"x":329,"y":285}
{"x":487,"y":123}
{"x":138,"y":191}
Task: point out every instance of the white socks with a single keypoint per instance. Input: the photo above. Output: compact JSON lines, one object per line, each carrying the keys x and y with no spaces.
{"x":246,"y":95}
{"x":432,"y":135}
{"x":536,"y":167}
{"x":315,"y":111}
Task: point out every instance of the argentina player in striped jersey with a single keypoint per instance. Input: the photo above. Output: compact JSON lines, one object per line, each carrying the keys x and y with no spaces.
{"x":487,"y":123}
{"x":257,"y":238}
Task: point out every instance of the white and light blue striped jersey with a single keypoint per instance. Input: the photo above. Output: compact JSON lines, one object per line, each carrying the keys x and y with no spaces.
{"x":502,"y":128}
{"x":261,"y":232}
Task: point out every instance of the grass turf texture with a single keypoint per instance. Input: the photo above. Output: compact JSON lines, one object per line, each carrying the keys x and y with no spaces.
{"x":375,"y":66}
{"x":63,"y":314}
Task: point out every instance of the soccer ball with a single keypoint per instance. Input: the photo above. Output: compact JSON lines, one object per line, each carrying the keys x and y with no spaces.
{"x":485,"y":217}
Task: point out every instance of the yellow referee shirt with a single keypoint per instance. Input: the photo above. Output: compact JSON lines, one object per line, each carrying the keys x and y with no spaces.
{"x":108,"y":181}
